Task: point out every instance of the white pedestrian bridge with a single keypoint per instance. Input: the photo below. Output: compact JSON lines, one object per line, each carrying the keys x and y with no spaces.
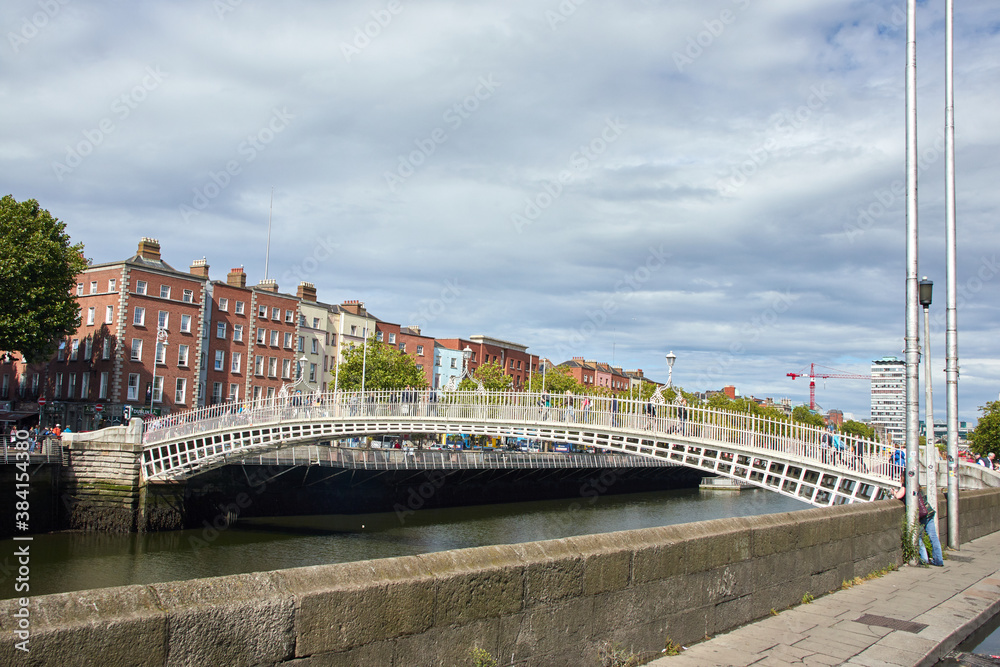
{"x":789,"y":458}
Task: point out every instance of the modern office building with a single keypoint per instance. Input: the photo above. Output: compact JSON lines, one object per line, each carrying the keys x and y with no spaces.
{"x":888,"y":401}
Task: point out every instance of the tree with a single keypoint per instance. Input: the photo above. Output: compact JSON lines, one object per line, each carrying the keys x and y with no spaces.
{"x":804,"y":415}
{"x":858,"y":429}
{"x":492,"y":377}
{"x":38,"y":268}
{"x":557,"y":381}
{"x":385,"y":367}
{"x":986,"y":437}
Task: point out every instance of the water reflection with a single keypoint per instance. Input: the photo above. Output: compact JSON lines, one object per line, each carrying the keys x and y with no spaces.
{"x":77,"y":561}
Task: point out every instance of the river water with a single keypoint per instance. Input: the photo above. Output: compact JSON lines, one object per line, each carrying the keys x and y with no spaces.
{"x":68,"y":561}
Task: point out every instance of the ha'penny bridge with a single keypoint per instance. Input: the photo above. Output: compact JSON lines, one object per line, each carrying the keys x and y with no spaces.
{"x":792,"y":459}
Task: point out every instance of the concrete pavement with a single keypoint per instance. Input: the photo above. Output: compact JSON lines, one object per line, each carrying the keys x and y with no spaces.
{"x":912,"y":616}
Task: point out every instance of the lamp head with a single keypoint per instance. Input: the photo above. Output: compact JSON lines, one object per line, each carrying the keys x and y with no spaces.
{"x":671,"y":358}
{"x":926,"y":288}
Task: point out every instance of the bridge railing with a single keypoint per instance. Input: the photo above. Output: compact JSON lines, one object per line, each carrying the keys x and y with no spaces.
{"x":636,"y":417}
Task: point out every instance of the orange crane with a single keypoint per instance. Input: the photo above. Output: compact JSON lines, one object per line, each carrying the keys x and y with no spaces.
{"x":812,"y":375}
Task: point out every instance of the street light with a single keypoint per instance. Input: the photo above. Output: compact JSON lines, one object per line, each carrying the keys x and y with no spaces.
{"x":161,"y":339}
{"x":671,"y":358}
{"x":926,"y":288}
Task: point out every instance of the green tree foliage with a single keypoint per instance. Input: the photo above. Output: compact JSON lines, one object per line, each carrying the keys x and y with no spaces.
{"x":384,"y":368}
{"x":851,"y":427}
{"x":986,"y":437}
{"x":492,"y":377}
{"x":557,"y":381}
{"x":804,"y":415}
{"x":38,"y":268}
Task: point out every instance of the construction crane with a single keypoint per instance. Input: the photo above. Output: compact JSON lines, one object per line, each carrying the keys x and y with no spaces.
{"x":812,"y":375}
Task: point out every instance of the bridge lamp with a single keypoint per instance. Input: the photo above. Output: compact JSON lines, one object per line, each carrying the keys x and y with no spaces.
{"x":671,"y":358}
{"x":925,"y":290}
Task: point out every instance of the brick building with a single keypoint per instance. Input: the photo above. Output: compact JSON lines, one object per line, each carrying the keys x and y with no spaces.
{"x":409,"y":341}
{"x":512,"y":357}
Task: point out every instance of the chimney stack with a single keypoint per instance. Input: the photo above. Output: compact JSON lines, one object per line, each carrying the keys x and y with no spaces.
{"x":149,"y":248}
{"x":306,"y":292}
{"x":199,"y":267}
{"x":236,"y":277}
{"x":354,"y":307}
{"x":269,"y":285}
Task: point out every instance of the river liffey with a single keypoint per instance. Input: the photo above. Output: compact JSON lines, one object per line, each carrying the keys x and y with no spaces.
{"x":68,"y":561}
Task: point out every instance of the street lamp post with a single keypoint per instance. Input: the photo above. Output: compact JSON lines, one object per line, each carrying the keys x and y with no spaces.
{"x":161,"y":339}
{"x":671,"y":358}
{"x":926,"y":288}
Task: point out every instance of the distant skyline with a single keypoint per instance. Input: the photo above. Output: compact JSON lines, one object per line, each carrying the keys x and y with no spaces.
{"x":722,"y":179}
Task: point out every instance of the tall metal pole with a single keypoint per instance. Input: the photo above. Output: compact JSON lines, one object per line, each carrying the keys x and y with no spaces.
{"x":267,"y":250}
{"x":912,"y":335}
{"x":364,"y":358}
{"x":930,"y":449}
{"x":951,"y":335}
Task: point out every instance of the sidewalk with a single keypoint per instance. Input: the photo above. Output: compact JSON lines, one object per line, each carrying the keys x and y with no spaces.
{"x":933,"y":609}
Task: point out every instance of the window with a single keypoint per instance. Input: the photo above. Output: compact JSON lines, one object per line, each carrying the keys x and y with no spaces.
{"x":158,"y":389}
{"x":220,"y":360}
{"x":286,"y":368}
{"x":216,"y":392}
{"x":58,"y":389}
{"x":102,"y":387}
{"x":93,"y":287}
{"x":111,"y":285}
{"x":88,"y":348}
{"x":139,"y":316}
{"x":302,"y":343}
{"x":182,"y":355}
{"x":71,"y":387}
{"x":378,"y":336}
{"x":234,"y":392}
{"x":140,"y":287}
{"x":302,"y":320}
{"x":262,"y":312}
{"x":312,"y":372}
{"x":34,"y":383}
{"x":161,"y":353}
{"x":274,"y":338}
{"x":90,"y":316}
{"x":256,"y":393}
{"x":315,"y":346}
{"x":272,"y":366}
{"x":61,"y":353}
{"x":234,"y":367}
{"x":420,"y":350}
{"x":402,"y":347}
{"x":74,"y":350}
{"x":270,"y":392}
{"x":258,"y":365}
{"x":79,"y":289}
{"x":136,"y":349}
{"x":162,"y":319}
{"x":179,"y":390}
{"x":187,"y":296}
{"x":186,"y":323}
{"x":224,"y":305}
{"x":133,"y":386}
{"x":220,"y":330}
{"x":289,"y":316}
{"x":288,"y":339}
{"x":164,"y":291}
{"x":239,"y":308}
{"x":260,"y":336}
{"x":315,"y":323}
{"x":109,"y":314}
{"x":106,"y":348}
{"x":84,"y":386}
{"x":238,"y":333}
{"x":275,"y":313}
{"x":454,"y":363}
{"x":392,"y":339}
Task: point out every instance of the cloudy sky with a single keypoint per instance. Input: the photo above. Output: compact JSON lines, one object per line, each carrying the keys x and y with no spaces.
{"x":720,"y":178}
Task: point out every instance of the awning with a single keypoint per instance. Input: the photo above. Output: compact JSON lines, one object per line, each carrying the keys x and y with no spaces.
{"x":17,"y":415}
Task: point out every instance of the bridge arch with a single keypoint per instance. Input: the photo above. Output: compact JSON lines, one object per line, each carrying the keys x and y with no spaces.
{"x":790,"y":459}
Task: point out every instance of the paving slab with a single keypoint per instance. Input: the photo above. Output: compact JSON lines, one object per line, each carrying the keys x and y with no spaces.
{"x":951,"y":601}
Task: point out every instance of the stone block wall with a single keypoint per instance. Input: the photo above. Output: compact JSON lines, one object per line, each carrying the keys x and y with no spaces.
{"x":541,"y":603}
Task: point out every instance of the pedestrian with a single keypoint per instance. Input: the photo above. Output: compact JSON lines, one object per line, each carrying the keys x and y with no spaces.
{"x":614,"y":411}
{"x":897,"y":461}
{"x":682,"y":413}
{"x":928,"y":525}
{"x":586,"y":409}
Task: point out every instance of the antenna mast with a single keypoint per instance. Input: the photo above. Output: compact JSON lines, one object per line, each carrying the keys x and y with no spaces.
{"x":267,"y":252}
